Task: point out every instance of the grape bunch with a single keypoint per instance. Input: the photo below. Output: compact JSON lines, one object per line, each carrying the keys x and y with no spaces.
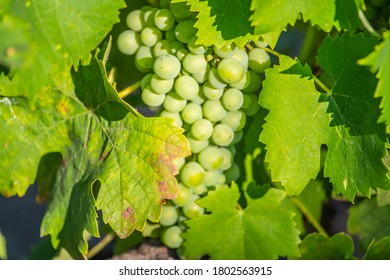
{"x":378,"y":13}
{"x":208,"y":91}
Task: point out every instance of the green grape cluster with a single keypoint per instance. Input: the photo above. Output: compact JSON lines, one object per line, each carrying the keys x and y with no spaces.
{"x":208,"y":91}
{"x":378,"y":13}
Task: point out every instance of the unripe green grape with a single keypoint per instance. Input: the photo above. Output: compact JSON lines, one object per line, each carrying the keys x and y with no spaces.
{"x":150,"y":36}
{"x":129,"y":42}
{"x":222,"y":179}
{"x":227,"y":158}
{"x":211,"y":158}
{"x":235,"y":119}
{"x":174,"y":103}
{"x":192,"y":210}
{"x":243,"y":83}
{"x":213,"y":110}
{"x":149,"y":16}
{"x":197,"y":145}
{"x":222,"y":135}
{"x":192,"y":174}
{"x":211,"y":178}
{"x":181,"y":54}
{"x":194,"y":47}
{"x":237,"y":138}
{"x":164,"y":20}
{"x":254,"y":82}
{"x":179,"y":163}
{"x":251,"y":105}
{"x":259,"y":60}
{"x":211,"y":92}
{"x":260,"y":43}
{"x":161,"y":48}
{"x":242,"y":56}
{"x":202,"y":77}
{"x":171,"y":237}
{"x":230,"y":70}
{"x":202,"y":129}
{"x":194,"y":63}
{"x":215,"y":80}
{"x":185,"y":30}
{"x":167,"y":66}
{"x":135,"y":20}
{"x":191,"y":113}
{"x":184,"y":195}
{"x":175,"y":46}
{"x":200,"y":190}
{"x":169,"y":215}
{"x":170,"y":35}
{"x":146,"y":80}
{"x":161,"y":86}
{"x":233,"y":173}
{"x":199,"y":98}
{"x":226,"y":51}
{"x":180,"y":10}
{"x":150,"y":98}
{"x":144,"y":59}
{"x":177,"y":121}
{"x":232,"y":99}
{"x":186,"y":87}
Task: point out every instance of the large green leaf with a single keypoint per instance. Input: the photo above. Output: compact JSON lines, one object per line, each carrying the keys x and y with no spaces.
{"x":302,"y":119}
{"x":263,"y":230}
{"x":100,"y":139}
{"x":42,"y":39}
{"x":379,"y":250}
{"x":379,"y":60}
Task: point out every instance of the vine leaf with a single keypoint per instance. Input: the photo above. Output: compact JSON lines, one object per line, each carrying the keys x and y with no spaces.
{"x":263,"y":230}
{"x":369,"y":221}
{"x":43,"y":39}
{"x":337,"y":247}
{"x":379,"y":250}
{"x":100,"y":139}
{"x":379,"y":61}
{"x":222,"y":22}
{"x":301,"y":119}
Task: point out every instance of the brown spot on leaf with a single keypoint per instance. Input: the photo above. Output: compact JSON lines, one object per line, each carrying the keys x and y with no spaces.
{"x":62,"y":108}
{"x":127,"y":212}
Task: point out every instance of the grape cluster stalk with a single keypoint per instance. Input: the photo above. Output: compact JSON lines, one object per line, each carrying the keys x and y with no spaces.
{"x":208,"y":91}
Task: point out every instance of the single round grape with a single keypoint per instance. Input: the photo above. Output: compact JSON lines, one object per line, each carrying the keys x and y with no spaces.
{"x":192,"y":174}
{"x":211,"y":92}
{"x":222,"y":135}
{"x":161,"y":86}
{"x":237,"y":138}
{"x":202,"y":129}
{"x":197,"y":145}
{"x":254,"y":82}
{"x":177,"y":121}
{"x":184,"y":195}
{"x":167,"y":66}
{"x":202,"y":77}
{"x":232,"y":99}
{"x":251,"y":105}
{"x":260,"y":43}
{"x":146,"y":80}
{"x":233,"y":173}
{"x":215,"y":80}
{"x":210,"y":158}
{"x":164,"y":20}
{"x":180,"y":10}
{"x":213,"y":110}
{"x":144,"y":59}
{"x":150,"y":98}
{"x":185,"y":30}
{"x":161,"y":48}
{"x":179,"y":162}
{"x":211,"y":178}
{"x":149,"y":16}
{"x":242,"y":56}
{"x":171,"y":237}
{"x":259,"y":60}
{"x":150,"y":36}
{"x":135,"y":20}
{"x":230,"y":70}
{"x":235,"y":119}
{"x":192,"y":210}
{"x":226,"y":51}
{"x":191,"y":113}
{"x":194,"y":47}
{"x":243,"y":83}
{"x":169,"y":215}
{"x":174,"y":103}
{"x":194,"y":63}
{"x":222,"y":179}
{"x":129,"y":42}
{"x":186,"y":87}
{"x":227,"y":158}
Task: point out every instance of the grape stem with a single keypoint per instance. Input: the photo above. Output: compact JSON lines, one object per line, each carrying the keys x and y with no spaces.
{"x":367,"y":24}
{"x":100,"y":246}
{"x":130,"y":89}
